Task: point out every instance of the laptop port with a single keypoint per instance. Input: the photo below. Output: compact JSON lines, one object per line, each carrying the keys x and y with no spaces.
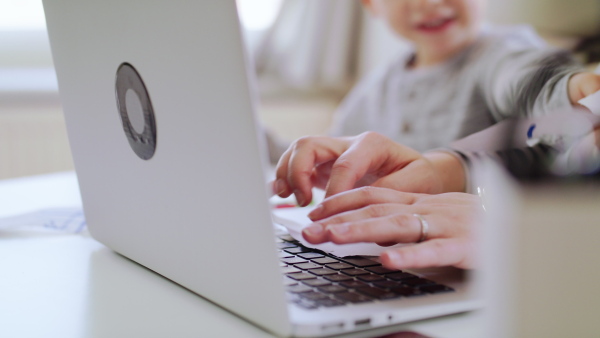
{"x":362,"y":323}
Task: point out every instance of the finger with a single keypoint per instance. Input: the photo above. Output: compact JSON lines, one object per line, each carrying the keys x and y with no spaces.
{"x":308,"y":153}
{"x":354,"y":163}
{"x":370,"y":153}
{"x":433,"y":253}
{"x":315,"y":234}
{"x":359,"y":198}
{"x":280,"y":186}
{"x":321,"y":174}
{"x":398,"y":228}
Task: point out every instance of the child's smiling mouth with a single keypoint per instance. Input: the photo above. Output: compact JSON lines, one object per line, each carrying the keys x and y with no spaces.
{"x":435,"y":25}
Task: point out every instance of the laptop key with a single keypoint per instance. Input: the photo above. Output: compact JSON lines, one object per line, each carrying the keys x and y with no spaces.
{"x":289,"y":282}
{"x":332,"y":289}
{"x":329,"y":302}
{"x":401,"y":276}
{"x":301,"y":276}
{"x":387,"y":284}
{"x":380,"y":270}
{"x":310,"y":255}
{"x":406,"y":291}
{"x":299,"y":288}
{"x":322,"y":272}
{"x":437,"y":288}
{"x":325,"y":260}
{"x":353,"y":284}
{"x":370,"y":278}
{"x":337,"y":278}
{"x":418,"y":282}
{"x":353,"y":297}
{"x":290,"y":269}
{"x":359,"y":261}
{"x":287,"y":238}
{"x":293,"y":260}
{"x":316,"y":282}
{"x":286,"y":245}
{"x":339,"y":266}
{"x":355,"y":272}
{"x":296,"y":250}
{"x":307,"y":304}
{"x":308,"y":266}
{"x":314,"y":295}
{"x":283,"y":254}
{"x":377,"y":293}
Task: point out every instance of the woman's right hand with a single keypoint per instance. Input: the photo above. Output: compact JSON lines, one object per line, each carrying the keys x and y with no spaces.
{"x":338,"y":164}
{"x":387,"y":217}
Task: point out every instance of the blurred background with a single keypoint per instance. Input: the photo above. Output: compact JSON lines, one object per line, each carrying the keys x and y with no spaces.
{"x":307,"y":55}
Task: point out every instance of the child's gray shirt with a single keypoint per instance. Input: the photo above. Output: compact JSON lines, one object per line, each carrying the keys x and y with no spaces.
{"x":507,"y":72}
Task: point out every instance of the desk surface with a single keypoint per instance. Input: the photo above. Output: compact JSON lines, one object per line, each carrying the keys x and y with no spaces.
{"x":69,"y":285}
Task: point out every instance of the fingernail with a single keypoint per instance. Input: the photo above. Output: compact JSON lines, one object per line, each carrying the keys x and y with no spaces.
{"x":280,"y":186}
{"x":313,"y":215}
{"x":315,"y":229}
{"x":339,"y":230}
{"x":299,"y":197}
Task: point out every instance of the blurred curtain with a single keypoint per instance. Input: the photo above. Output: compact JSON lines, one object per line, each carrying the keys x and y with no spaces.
{"x":313,"y":44}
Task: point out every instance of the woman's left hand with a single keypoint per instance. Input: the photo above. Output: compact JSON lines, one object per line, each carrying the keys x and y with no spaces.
{"x":387,"y":217}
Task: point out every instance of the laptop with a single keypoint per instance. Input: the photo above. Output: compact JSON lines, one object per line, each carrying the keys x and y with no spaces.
{"x":160,"y":112}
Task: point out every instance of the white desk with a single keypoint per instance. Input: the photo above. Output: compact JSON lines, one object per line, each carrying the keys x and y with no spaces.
{"x":69,"y":285}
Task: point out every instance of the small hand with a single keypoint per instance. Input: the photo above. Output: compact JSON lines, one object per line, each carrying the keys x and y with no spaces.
{"x":341,"y":164}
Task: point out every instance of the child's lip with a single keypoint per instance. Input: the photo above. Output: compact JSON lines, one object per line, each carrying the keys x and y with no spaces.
{"x":435,"y":25}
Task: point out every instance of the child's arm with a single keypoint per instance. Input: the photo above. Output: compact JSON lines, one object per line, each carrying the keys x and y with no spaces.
{"x":582,"y":85}
{"x":528,"y":83}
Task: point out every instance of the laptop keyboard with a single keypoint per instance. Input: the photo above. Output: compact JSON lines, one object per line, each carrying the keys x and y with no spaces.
{"x":314,"y":279}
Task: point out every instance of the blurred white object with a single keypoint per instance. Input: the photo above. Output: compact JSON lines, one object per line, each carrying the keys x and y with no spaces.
{"x":592,"y":102}
{"x":540,"y":254}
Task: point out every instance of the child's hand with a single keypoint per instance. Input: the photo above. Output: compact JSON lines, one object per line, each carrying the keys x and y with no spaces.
{"x":582,"y":85}
{"x":343,"y":163}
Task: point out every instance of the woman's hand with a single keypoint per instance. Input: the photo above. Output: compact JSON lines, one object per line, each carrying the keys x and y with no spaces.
{"x":338,"y":164}
{"x":387,"y":217}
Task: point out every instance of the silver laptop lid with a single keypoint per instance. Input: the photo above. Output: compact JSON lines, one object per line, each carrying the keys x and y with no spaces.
{"x":173,"y":178}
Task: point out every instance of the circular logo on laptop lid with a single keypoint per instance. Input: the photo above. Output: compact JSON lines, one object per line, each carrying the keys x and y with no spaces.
{"x":136,"y":111}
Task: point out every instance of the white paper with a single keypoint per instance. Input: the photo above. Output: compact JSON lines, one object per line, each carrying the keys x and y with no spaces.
{"x":55,"y":220}
{"x":296,"y":219}
{"x":592,"y":102}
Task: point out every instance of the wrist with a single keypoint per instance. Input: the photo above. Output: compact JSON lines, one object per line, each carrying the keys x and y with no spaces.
{"x":449,"y":169}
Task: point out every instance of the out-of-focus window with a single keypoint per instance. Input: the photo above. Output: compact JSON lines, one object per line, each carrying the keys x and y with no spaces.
{"x":21,"y":15}
{"x":29,"y":14}
{"x":258,"y":15}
